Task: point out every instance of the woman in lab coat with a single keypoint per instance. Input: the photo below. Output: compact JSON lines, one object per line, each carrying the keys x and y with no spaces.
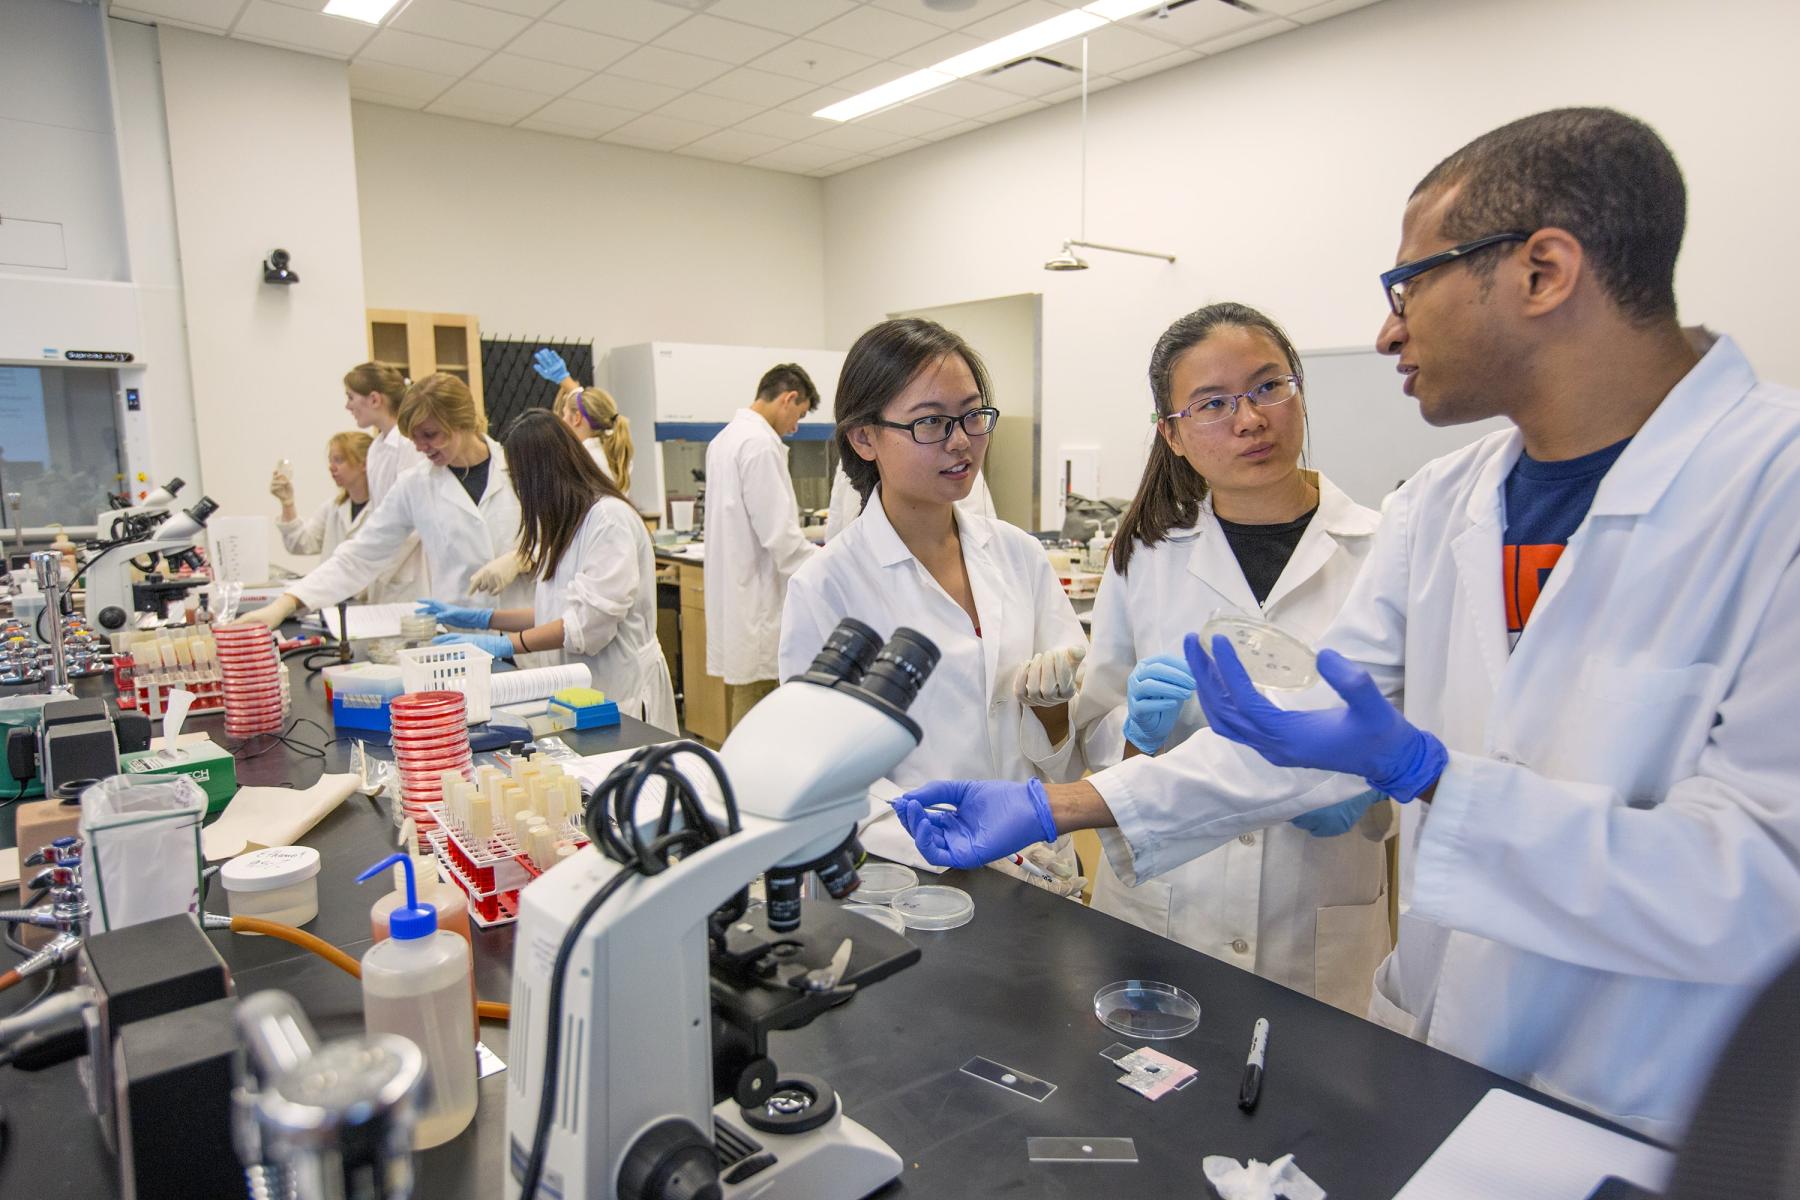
{"x":372,"y":395}
{"x":460,"y":502}
{"x":914,"y":413}
{"x":596,"y":599}
{"x":1226,"y":520}
{"x":346,"y":457}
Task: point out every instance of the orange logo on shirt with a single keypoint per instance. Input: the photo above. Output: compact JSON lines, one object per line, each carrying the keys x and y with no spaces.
{"x":1526,"y":569}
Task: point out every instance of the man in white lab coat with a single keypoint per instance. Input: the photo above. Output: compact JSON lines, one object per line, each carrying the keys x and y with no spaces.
{"x":753,"y":539}
{"x":1590,"y":623}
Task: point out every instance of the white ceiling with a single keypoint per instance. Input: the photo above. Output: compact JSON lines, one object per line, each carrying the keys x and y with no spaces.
{"x":732,"y":80}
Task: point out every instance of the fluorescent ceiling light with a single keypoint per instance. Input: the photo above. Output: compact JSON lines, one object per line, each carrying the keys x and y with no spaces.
{"x":369,"y":11}
{"x":1001,"y":50}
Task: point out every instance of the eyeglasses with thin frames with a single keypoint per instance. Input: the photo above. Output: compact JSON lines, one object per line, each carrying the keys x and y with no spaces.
{"x":1393,"y":282}
{"x":930,"y":430}
{"x":1209,"y":410}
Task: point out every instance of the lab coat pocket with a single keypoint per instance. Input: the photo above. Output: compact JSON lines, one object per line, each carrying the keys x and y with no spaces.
{"x":1348,"y":946}
{"x":1637,"y":729}
{"x":1384,"y":1011}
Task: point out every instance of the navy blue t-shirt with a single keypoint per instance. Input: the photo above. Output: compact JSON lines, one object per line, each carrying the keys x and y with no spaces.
{"x":1545,"y":503}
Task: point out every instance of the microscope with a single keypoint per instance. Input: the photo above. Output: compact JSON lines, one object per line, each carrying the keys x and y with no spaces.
{"x":113,"y":595}
{"x":645,"y":987}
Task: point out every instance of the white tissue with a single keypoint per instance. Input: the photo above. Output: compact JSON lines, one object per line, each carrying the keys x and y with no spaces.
{"x":1259,"y":1181}
{"x":175,"y":713}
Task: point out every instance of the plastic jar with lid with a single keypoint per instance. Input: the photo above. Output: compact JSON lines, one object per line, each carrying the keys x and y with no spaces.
{"x":280,"y":883}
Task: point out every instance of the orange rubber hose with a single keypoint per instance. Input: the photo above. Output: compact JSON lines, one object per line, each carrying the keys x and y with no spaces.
{"x":8,"y":979}
{"x":491,"y":1010}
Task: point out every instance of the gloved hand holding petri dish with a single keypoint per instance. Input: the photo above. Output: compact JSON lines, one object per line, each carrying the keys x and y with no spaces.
{"x":1273,"y":659}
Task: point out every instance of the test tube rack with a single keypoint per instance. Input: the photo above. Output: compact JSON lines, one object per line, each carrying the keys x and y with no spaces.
{"x":149,"y":665}
{"x":492,"y":865}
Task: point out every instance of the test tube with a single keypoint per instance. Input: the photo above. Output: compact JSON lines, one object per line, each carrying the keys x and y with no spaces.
{"x":481,"y":825}
{"x":521,"y":824}
{"x":540,"y":797}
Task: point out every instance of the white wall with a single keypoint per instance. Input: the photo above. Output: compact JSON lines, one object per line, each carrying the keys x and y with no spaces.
{"x":260,"y":146}
{"x":1278,"y":172}
{"x":540,"y":235}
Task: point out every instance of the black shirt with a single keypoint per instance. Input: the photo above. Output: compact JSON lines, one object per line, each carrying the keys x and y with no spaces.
{"x":356,"y":510}
{"x":474,"y":479}
{"x":1263,"y":550}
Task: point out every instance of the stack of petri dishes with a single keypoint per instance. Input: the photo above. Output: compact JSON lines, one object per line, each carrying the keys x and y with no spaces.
{"x":250,"y":674}
{"x":431,"y":739}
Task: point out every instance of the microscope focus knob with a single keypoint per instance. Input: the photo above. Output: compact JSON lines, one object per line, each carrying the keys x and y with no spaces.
{"x":112,"y":617}
{"x":671,"y":1160}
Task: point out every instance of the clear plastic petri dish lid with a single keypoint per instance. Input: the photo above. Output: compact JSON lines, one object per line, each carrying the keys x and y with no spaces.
{"x":1272,"y":658}
{"x":880,"y":914}
{"x":1144,"y":1008}
{"x":933,"y":906}
{"x":881,"y":882}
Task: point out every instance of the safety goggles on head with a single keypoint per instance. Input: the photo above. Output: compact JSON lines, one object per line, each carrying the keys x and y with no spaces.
{"x":1393,"y":282}
{"x":1208,"y":409}
{"x":930,"y":430}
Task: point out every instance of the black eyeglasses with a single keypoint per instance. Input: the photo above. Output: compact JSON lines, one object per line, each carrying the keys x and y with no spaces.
{"x":1393,"y":282}
{"x":929,"y":431}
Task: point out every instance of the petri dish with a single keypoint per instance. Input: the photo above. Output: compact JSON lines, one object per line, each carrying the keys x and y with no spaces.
{"x":1144,"y":1008}
{"x":880,"y":914}
{"x":933,"y":906}
{"x":881,"y":882}
{"x":1271,"y":658}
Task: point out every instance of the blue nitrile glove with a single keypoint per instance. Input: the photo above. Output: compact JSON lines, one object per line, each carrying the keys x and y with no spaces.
{"x":1337,"y":818}
{"x":1367,"y":737}
{"x":1154,"y":693}
{"x":989,"y":819}
{"x":550,"y":365}
{"x":461,"y":618}
{"x":496,"y":644}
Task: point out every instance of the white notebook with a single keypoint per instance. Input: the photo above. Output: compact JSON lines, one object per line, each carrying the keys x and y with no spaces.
{"x":1510,"y":1147}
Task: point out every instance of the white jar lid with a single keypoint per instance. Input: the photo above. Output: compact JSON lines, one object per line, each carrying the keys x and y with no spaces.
{"x":266,"y":870}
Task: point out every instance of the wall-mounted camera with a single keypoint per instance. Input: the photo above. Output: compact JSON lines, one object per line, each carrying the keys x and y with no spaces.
{"x":276,"y":270}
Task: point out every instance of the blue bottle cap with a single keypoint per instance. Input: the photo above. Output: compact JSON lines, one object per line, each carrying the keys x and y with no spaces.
{"x":412,"y":919}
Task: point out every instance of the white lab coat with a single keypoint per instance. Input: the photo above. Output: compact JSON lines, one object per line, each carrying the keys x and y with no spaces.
{"x":604,"y":592}
{"x":458,"y":537}
{"x":753,"y":547}
{"x":845,"y":504}
{"x":1307,"y":912}
{"x":321,"y":532}
{"x":390,"y":455}
{"x":1609,"y":866}
{"x":597,"y":452}
{"x":975,"y":726}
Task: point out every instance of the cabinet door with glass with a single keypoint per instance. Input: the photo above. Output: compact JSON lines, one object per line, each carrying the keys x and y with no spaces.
{"x":419,"y":343}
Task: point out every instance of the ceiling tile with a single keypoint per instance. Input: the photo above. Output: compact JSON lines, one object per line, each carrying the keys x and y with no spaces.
{"x":754,"y":87}
{"x":1191,"y":24}
{"x":789,"y":126}
{"x":728,"y":41}
{"x":633,"y":94}
{"x":525,"y":8}
{"x":956,"y":130}
{"x":653,"y":64}
{"x":1243,"y":37}
{"x":937,"y":50}
{"x":814,"y":62}
{"x":1096,"y":85}
{"x":870,"y":77}
{"x":445,"y":108}
{"x":401,"y":49}
{"x":1034,"y":77}
{"x":658,"y":133}
{"x":731,"y":145}
{"x":786,"y":16}
{"x":710,"y":110}
{"x":1018,"y":16}
{"x":846,"y":164}
{"x":855,"y":139}
{"x":1308,"y":11}
{"x":1016,"y":110}
{"x":368,"y":97}
{"x":539,"y":125}
{"x":459,"y":22}
{"x":980,"y":10}
{"x":966,"y":99}
{"x":1111,"y":49}
{"x":569,"y":46}
{"x":491,"y":98}
{"x":639,"y":20}
{"x":875,"y":31}
{"x":338,"y":37}
{"x":899,"y":147}
{"x":1153,"y":66}
{"x":403,"y":82}
{"x":216,"y":15}
{"x":529,"y":74}
{"x":811,"y":102}
{"x":908,"y":120}
{"x":800,"y":157}
{"x":588,"y":119}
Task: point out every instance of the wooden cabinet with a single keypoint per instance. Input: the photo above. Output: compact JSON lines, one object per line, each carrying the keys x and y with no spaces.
{"x":702,"y":694}
{"x":419,"y":343}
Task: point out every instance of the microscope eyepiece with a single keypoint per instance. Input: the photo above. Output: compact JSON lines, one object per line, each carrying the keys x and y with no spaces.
{"x":847,"y":653}
{"x":901,"y":668}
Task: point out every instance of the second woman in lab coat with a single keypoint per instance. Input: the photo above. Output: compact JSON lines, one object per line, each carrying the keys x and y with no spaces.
{"x":346,"y":457}
{"x":1226,"y":520}
{"x":914,"y":414}
{"x":595,"y":600}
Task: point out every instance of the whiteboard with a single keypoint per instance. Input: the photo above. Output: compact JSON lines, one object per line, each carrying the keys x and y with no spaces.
{"x":1365,"y":434}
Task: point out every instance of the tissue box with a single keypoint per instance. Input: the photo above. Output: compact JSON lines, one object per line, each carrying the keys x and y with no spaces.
{"x":589,"y":708}
{"x":205,"y":762}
